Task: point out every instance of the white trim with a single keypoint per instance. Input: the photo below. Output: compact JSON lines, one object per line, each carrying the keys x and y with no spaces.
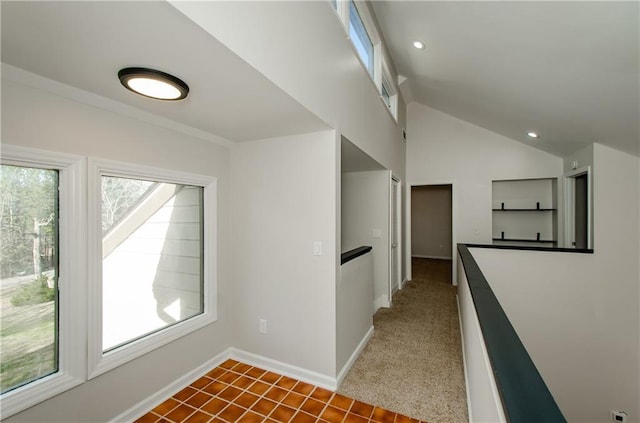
{"x":375,"y":50}
{"x":431,"y":257}
{"x":167,"y":391}
{"x":356,"y":353}
{"x":392,"y":89}
{"x":464,"y":363}
{"x":71,"y":305}
{"x":98,"y":361}
{"x":286,"y":369}
{"x":569,"y":203}
{"x":407,"y":232}
{"x":403,"y":283}
{"x":342,"y":10}
{"x":317,"y":379}
{"x":397,"y":202}
{"x":454,"y":217}
{"x":380,"y":53}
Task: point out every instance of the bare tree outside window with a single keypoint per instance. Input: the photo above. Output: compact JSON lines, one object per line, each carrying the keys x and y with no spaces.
{"x":119,"y":195}
{"x":28,"y":274}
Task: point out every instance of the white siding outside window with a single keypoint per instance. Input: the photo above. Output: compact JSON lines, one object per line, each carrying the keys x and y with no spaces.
{"x":154,"y":266}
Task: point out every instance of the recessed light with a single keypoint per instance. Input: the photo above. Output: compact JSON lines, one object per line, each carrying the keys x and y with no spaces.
{"x":419,"y":45}
{"x":533,"y":134}
{"x":153,"y":83}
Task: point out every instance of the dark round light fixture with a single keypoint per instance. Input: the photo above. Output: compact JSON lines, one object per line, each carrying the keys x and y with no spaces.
{"x":153,"y":83}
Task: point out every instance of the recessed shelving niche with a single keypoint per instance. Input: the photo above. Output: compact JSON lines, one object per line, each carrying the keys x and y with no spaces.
{"x":524,"y":212}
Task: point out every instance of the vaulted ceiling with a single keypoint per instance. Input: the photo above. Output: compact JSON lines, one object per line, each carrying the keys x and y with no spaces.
{"x":567,"y":70}
{"x":85,"y":43}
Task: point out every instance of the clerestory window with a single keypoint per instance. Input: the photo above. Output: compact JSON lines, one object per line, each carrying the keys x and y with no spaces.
{"x":360,"y":38}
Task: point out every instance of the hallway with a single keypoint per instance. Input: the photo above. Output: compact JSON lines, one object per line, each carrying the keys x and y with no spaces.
{"x":413,"y":363}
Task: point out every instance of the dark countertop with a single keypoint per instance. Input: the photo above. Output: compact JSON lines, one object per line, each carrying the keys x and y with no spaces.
{"x":355,"y":253}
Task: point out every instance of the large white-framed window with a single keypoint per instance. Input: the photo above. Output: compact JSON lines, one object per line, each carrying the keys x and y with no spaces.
{"x":43,"y":321}
{"x":152,"y":259}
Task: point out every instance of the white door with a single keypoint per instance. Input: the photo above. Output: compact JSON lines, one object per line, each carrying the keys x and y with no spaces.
{"x":395,"y":270}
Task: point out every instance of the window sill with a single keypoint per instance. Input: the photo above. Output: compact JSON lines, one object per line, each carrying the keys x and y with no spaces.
{"x":36,"y":392}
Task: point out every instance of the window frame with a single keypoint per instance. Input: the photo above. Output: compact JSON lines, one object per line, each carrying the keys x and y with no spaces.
{"x":392,"y":91}
{"x":98,"y":360}
{"x":72,"y":272}
{"x":363,"y":18}
{"x":380,"y":74}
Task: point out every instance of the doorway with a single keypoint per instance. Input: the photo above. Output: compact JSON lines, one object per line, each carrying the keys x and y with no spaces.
{"x":432,"y":225}
{"x":578,"y":219}
{"x":395,"y":268}
{"x":581,"y":208}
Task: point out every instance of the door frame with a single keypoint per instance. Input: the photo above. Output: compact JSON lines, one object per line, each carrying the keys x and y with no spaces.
{"x":569,"y":206}
{"x":397,"y":225}
{"x":454,"y":214}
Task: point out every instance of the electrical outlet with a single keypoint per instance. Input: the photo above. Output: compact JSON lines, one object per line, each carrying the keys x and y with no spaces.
{"x":618,"y":416}
{"x":263,"y":326}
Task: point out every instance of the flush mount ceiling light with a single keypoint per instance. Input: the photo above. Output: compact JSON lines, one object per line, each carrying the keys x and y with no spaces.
{"x":419,"y":45}
{"x":533,"y":134}
{"x":153,"y":83}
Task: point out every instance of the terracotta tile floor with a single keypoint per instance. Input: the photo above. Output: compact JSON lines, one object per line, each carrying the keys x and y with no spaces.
{"x":237,"y":392}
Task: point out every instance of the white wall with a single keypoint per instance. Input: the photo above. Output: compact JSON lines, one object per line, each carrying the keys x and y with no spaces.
{"x":444,"y":149}
{"x":38,"y":119}
{"x":365,"y":207}
{"x":303,"y":48}
{"x":584,"y":157}
{"x":431,"y":221}
{"x":284,"y":199}
{"x":354,"y":320}
{"x":578,"y":314}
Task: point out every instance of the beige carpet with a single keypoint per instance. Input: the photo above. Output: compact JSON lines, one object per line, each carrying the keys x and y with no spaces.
{"x":413,"y":363}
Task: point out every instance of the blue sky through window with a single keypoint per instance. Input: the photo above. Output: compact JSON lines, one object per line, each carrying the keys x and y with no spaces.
{"x":360,"y":38}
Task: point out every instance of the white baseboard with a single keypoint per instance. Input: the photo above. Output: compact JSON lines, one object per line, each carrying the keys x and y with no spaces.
{"x":464,"y":363}
{"x":431,"y":257}
{"x":403,"y":283}
{"x":185,"y":380}
{"x":286,"y":369}
{"x":380,"y":302}
{"x":356,"y":353}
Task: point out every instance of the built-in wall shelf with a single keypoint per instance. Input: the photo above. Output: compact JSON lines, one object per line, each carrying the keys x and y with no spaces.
{"x":543,"y":241}
{"x":522,"y":207}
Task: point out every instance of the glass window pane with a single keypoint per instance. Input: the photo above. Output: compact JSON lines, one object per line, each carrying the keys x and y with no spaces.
{"x":152,"y":268}
{"x":360,"y":38}
{"x":385,"y":96}
{"x":28,"y":274}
